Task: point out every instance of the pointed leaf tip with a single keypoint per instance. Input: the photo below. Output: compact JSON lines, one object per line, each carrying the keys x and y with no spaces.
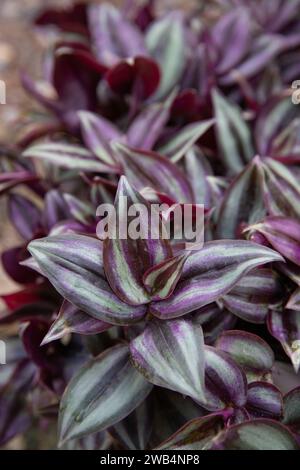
{"x":212,"y":272}
{"x":74,"y":265}
{"x":104,"y":391}
{"x":135,"y":247}
{"x":170,"y":354}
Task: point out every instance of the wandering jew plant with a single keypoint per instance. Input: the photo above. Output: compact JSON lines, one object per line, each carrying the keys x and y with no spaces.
{"x":139,"y":342}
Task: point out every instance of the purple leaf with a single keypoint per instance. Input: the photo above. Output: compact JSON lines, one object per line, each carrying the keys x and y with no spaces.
{"x":32,"y":294}
{"x":292,"y":271}
{"x":198,"y":169}
{"x":103,"y":392}
{"x":264,"y":49}
{"x":260,"y":434}
{"x":56,"y":209}
{"x":97,"y":134}
{"x":113,"y":36}
{"x":285,"y":326}
{"x":171,"y":411}
{"x":149,"y":169}
{"x":249,"y":351}
{"x":68,"y":156}
{"x":146,"y":128}
{"x":177,"y":146}
{"x":75,"y":83}
{"x":233,"y":134}
{"x":217,"y":187}
{"x":38,"y":93}
{"x":225,"y":381}
{"x":24,"y":215}
{"x":213,"y":320}
{"x":126,"y":258}
{"x":165,"y":40}
{"x":97,"y":441}
{"x":239,"y":415}
{"x":243,"y":202}
{"x":81,"y":211}
{"x":32,"y":264}
{"x":212,"y":272}
{"x":139,"y":76}
{"x":269,"y":123}
{"x":275,"y":16}
{"x":73,"y":264}
{"x":82,"y":57}
{"x":29,"y":311}
{"x":68,"y":19}
{"x":134,"y":431}
{"x":145,"y":15}
{"x":291,"y":415}
{"x":283,"y":234}
{"x":232,"y":36}
{"x":68,"y":227}
{"x":11,"y":261}
{"x":196,"y":434}
{"x":252,"y":296}
{"x":264,"y":400}
{"x":294,"y":301}
{"x":187,"y":104}
{"x":45,"y":358}
{"x":77,"y":67}
{"x":160,"y":281}
{"x":282,"y":193}
{"x":72,"y":320}
{"x":285,"y":146}
{"x":170,"y":354}
{"x":14,"y":416}
{"x":18,"y":176}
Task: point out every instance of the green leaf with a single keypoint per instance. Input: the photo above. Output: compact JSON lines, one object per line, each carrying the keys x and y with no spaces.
{"x":102,"y":393}
{"x":233,"y":134}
